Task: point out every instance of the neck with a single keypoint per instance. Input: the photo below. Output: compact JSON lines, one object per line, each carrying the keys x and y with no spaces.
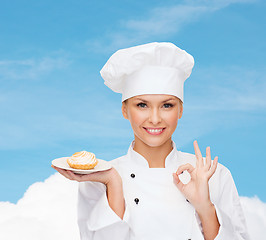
{"x":155,"y":156}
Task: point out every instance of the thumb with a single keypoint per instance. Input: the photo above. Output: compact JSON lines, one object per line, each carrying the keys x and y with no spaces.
{"x":177,"y":182}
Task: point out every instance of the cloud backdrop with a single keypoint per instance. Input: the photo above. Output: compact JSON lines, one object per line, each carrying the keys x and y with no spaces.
{"x":48,"y":211}
{"x":53,"y":101}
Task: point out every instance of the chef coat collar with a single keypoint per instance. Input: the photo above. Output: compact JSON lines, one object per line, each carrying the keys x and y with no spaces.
{"x":138,"y":159}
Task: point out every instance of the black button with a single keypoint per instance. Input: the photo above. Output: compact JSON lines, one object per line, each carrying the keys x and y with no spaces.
{"x":132,"y":175}
{"x":187,"y":201}
{"x":136,"y":200}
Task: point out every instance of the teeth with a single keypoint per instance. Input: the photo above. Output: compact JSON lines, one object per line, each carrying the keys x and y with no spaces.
{"x":154,"y":130}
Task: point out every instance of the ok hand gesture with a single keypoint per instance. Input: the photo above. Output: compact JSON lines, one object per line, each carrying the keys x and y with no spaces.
{"x":196,"y":191}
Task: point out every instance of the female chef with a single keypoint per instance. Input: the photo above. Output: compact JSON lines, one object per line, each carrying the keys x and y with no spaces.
{"x":156,"y":192}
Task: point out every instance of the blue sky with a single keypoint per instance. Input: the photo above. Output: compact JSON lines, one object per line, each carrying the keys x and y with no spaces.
{"x":53,"y":101}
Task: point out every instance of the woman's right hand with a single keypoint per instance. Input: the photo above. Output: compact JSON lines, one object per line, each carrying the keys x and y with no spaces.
{"x":112,"y":181}
{"x":106,"y":177}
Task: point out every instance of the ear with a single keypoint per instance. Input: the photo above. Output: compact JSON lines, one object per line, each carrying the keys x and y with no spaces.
{"x":180,"y":110}
{"x":124,"y":110}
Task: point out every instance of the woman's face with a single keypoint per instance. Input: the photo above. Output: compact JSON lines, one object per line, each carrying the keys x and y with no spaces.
{"x":153,"y":117}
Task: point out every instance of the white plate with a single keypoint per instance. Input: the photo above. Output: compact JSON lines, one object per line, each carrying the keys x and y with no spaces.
{"x":62,"y":163}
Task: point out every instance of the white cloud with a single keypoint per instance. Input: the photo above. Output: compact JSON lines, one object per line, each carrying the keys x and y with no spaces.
{"x":48,"y":121}
{"x":166,"y":20}
{"x":255,"y":212}
{"x":31,"y":68}
{"x":230,"y":88}
{"x":158,"y":23}
{"x":48,"y":211}
{"x":221,"y":98}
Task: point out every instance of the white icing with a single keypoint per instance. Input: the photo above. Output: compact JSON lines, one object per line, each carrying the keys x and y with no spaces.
{"x":82,"y":157}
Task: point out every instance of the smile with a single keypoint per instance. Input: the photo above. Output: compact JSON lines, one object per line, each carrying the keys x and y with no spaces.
{"x":154,"y":131}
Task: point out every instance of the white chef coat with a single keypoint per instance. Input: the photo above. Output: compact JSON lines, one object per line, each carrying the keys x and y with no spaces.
{"x":155,"y":208}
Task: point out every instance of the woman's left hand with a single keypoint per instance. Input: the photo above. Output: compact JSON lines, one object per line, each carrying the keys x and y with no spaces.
{"x":196,"y":191}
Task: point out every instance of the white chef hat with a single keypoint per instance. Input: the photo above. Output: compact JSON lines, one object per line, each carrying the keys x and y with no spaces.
{"x":153,"y":68}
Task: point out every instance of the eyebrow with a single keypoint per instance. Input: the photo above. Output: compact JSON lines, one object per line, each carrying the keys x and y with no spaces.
{"x":169,"y":99}
{"x":140,"y":99}
{"x":143,"y":100}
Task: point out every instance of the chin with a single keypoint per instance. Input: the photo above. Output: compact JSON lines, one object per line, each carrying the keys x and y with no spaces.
{"x":154,"y":142}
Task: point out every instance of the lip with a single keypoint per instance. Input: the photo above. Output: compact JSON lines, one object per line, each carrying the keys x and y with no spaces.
{"x":154,"y":131}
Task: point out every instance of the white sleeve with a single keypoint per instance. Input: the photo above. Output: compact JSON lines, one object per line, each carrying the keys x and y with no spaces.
{"x":96,"y":220}
{"x":229,"y":212}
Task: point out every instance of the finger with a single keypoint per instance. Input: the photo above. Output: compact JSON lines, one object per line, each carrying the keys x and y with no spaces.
{"x":213,"y":167}
{"x":63,"y":172}
{"x":178,"y":183}
{"x":56,"y":168}
{"x":78,"y":177}
{"x":186,"y":167}
{"x":208,"y":158}
{"x":199,"y":162}
{"x":94,"y":177}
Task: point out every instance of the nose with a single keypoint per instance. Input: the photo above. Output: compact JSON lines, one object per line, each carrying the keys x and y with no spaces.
{"x":155,"y":116}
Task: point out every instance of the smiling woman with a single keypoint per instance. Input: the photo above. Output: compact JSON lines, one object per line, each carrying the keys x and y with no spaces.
{"x":153,"y":119}
{"x":156,"y":191}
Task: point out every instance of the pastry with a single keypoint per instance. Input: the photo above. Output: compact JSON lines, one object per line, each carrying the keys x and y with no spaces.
{"x":82,"y":160}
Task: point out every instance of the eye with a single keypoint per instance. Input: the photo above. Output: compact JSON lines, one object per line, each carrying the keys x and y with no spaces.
{"x":142,"y":105}
{"x":168,"y":105}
